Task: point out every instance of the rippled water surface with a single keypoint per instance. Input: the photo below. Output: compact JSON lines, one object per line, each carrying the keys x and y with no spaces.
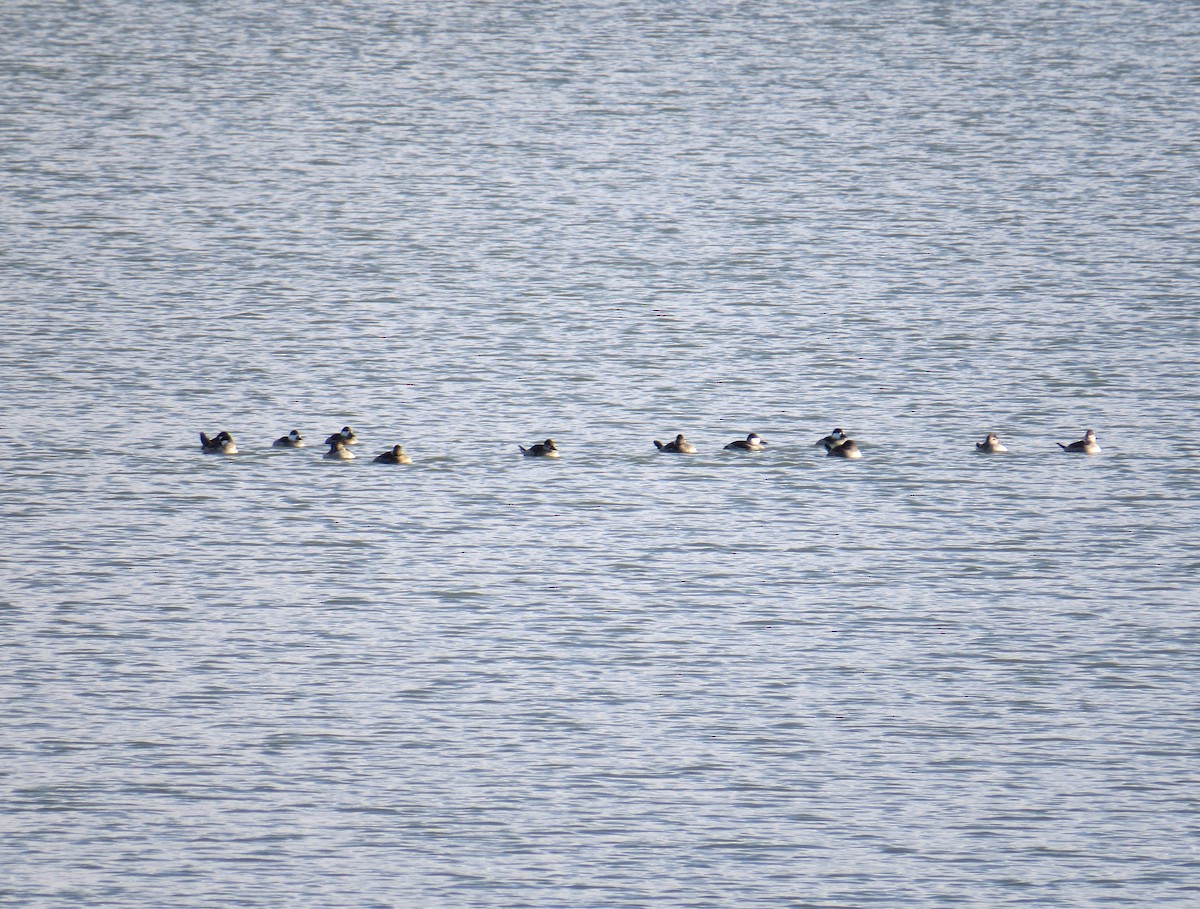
{"x":926,"y":678}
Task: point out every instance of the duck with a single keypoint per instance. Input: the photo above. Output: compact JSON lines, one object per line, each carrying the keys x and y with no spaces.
{"x":545,"y":449}
{"x":338,"y":450}
{"x":221,"y":443}
{"x":990,"y":445}
{"x":292,"y":440}
{"x":395,"y":455}
{"x":752,"y":442}
{"x":346,"y":434}
{"x":832,"y":440}
{"x":847,"y":448}
{"x":679,"y":446}
{"x":1087,"y":445}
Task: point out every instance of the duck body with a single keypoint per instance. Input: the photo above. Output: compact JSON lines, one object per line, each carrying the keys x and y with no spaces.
{"x":1087,"y":445}
{"x":338,"y":450}
{"x":221,"y":443}
{"x":835,"y":438}
{"x":292,"y":440}
{"x":679,"y":446}
{"x":847,"y":448}
{"x":396,"y":455}
{"x":752,"y":442}
{"x":545,"y":449}
{"x":990,"y":445}
{"x":346,"y":434}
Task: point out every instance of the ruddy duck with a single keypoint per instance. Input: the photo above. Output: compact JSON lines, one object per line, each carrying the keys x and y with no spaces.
{"x":1086,"y":445}
{"x":990,"y":445}
{"x":395,"y":456}
{"x":545,"y":449}
{"x":752,"y":442}
{"x":338,"y":450}
{"x":844,"y":449}
{"x":292,"y":440}
{"x":833,"y":439}
{"x":221,"y":443}
{"x":679,"y":446}
{"x":346,"y":435}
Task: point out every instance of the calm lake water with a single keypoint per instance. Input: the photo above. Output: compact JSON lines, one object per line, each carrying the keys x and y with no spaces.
{"x":927,"y":678}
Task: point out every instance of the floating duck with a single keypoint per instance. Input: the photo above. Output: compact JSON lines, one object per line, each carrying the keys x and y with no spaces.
{"x":990,"y":445}
{"x":395,"y":456}
{"x":545,"y":449}
{"x":1087,"y":445}
{"x":834,"y":438}
{"x":847,"y":448}
{"x":752,"y":442}
{"x":679,"y":446}
{"x":221,"y":443}
{"x":292,"y":440}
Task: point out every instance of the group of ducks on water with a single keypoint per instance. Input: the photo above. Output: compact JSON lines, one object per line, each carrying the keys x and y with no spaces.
{"x":837,"y":445}
{"x":222,"y":443}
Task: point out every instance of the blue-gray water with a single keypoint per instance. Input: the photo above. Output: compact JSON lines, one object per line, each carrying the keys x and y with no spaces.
{"x":928,"y":678}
